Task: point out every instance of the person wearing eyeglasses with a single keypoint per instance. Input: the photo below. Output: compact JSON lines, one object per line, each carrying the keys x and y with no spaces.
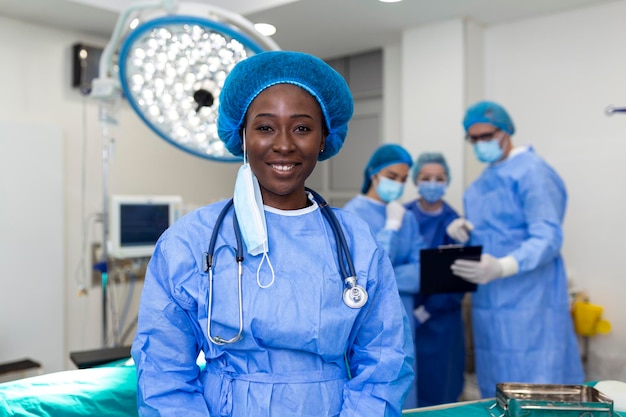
{"x":395,"y":230}
{"x":440,"y":352}
{"x":521,"y":321}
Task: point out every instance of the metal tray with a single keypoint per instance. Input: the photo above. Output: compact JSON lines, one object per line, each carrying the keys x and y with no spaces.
{"x":551,"y":400}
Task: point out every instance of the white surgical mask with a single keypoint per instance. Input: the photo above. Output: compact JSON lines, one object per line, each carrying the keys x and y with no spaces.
{"x":248,"y":204}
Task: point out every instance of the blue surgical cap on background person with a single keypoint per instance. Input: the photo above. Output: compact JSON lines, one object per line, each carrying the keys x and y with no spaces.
{"x":429,"y":158}
{"x":385,"y":155}
{"x":488,"y":112}
{"x":254,"y":74}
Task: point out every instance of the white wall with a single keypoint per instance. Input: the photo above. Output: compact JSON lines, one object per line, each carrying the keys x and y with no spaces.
{"x":433,"y":97}
{"x":36,"y":89}
{"x":31,"y":279}
{"x":556,"y":75}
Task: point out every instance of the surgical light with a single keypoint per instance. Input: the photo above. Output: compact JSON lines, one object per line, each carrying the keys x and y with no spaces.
{"x":172,"y":70}
{"x":172,"y":64}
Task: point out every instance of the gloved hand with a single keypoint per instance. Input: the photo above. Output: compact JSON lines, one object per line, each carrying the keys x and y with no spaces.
{"x":395,"y":212}
{"x":485,"y":270}
{"x":459,"y":229}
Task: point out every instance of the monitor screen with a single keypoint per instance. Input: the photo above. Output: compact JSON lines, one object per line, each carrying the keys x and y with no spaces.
{"x":142,"y":224}
{"x":137,"y":222}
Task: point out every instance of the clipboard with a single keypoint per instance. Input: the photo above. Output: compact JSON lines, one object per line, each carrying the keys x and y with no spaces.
{"x":436,"y":275}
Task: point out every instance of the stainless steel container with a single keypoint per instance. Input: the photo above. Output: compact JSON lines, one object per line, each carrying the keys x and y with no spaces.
{"x":550,"y":400}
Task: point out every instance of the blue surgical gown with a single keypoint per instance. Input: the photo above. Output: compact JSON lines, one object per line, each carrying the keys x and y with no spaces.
{"x":403,"y":247}
{"x":522,"y":326}
{"x":290,"y":361}
{"x":440,"y":347}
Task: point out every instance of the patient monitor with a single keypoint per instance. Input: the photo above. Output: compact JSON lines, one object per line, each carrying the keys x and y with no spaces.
{"x":136,"y":222}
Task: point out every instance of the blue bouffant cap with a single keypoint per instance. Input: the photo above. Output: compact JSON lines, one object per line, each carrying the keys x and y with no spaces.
{"x":429,"y":158}
{"x":488,"y":112}
{"x":385,"y":155}
{"x":254,"y":74}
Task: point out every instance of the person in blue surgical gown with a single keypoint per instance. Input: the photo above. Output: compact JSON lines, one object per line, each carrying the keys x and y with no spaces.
{"x":396,"y":230}
{"x":440,"y":352}
{"x":522,"y":327}
{"x":302,"y":351}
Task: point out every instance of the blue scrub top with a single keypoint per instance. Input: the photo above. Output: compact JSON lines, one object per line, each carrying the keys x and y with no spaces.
{"x":296,"y":331}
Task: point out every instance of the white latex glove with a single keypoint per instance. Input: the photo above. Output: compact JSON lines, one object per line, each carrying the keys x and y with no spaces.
{"x":485,"y":270}
{"x":459,"y":229}
{"x":395,"y":212}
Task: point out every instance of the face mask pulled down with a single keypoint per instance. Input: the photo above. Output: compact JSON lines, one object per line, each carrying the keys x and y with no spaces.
{"x":248,"y":204}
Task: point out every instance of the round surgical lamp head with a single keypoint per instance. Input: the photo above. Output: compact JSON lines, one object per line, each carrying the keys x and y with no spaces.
{"x":172,"y":70}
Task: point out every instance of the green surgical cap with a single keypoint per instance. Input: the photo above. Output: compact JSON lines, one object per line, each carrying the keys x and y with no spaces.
{"x":385,"y":155}
{"x":254,"y":74}
{"x":491,"y":113}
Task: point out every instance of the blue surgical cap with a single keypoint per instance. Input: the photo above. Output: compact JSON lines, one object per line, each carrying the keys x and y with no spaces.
{"x":489,"y":112}
{"x":385,"y":155}
{"x":254,"y":74}
{"x":429,"y":158}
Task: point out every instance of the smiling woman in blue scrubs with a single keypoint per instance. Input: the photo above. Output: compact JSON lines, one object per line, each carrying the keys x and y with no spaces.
{"x":302,"y":350}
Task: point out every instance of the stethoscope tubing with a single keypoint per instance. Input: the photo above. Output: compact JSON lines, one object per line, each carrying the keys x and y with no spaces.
{"x":355,"y":296}
{"x":343,"y":250}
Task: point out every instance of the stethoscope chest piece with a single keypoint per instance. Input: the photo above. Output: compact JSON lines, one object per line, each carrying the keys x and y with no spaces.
{"x":354,"y":296}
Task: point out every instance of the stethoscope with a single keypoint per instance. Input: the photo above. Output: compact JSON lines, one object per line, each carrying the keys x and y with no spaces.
{"x":354,"y":295}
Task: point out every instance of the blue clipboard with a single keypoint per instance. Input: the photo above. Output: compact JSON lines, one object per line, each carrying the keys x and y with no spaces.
{"x":435,"y":273}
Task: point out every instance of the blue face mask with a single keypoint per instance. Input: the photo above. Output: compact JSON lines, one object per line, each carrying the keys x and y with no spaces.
{"x":389,"y":190}
{"x":250,"y":212}
{"x":248,"y":203}
{"x":488,"y":151}
{"x":249,"y":208}
{"x":431,"y":191}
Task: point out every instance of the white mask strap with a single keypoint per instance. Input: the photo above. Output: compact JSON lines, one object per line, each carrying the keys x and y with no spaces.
{"x":245,"y":151}
{"x":269,"y":263}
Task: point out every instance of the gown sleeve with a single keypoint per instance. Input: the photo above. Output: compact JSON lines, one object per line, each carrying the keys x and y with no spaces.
{"x":165,"y":348}
{"x":382,"y":353}
{"x":406,"y":264}
{"x":542,"y":198}
{"x":387,"y":239}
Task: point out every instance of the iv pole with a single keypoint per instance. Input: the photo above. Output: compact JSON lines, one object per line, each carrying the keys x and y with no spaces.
{"x":106,"y":89}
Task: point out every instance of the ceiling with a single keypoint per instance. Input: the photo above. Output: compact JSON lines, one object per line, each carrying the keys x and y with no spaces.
{"x":326,"y":28}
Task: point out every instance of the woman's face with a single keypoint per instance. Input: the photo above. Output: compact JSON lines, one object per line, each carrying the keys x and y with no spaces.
{"x":284,"y":136}
{"x":432,"y":172}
